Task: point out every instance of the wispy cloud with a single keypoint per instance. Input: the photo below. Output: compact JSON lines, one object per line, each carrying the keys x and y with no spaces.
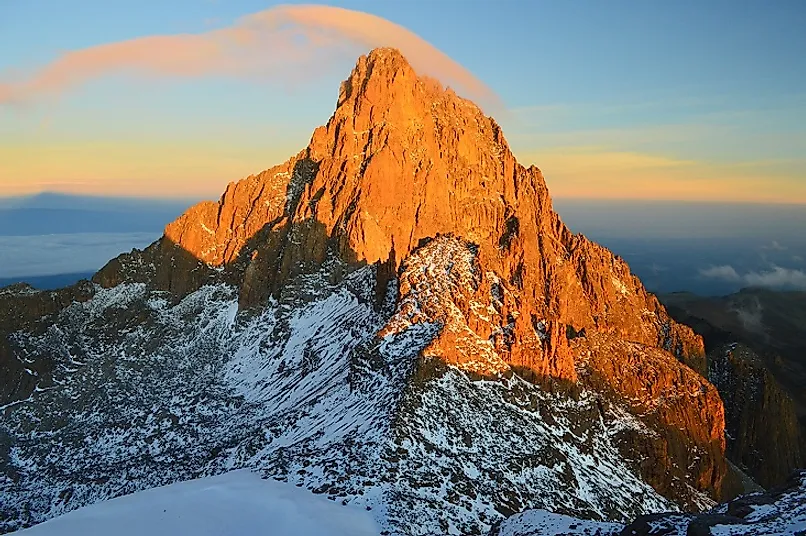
{"x":267,"y":44}
{"x":724,"y":272}
{"x":777,"y":277}
{"x":751,"y":315}
{"x":774,"y":246}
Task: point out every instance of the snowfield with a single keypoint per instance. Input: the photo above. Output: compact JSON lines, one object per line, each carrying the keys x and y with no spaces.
{"x":311,"y":391}
{"x":146,"y":393}
{"x":543,"y":523}
{"x":238,"y":502}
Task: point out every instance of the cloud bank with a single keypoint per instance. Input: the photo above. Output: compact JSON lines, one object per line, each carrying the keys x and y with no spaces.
{"x":29,"y":256}
{"x":778,"y":277}
{"x":272,"y":44}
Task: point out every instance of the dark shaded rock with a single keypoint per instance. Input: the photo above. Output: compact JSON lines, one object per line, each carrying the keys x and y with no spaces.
{"x":763,"y":435}
{"x":701,"y":525}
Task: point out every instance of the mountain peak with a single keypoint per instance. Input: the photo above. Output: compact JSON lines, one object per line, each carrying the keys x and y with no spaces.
{"x":410,"y":178}
{"x":404,"y":244}
{"x":383,"y":80}
{"x":379,"y":69}
{"x":402,"y":161}
{"x":381,"y":65}
{"x":385,"y":57}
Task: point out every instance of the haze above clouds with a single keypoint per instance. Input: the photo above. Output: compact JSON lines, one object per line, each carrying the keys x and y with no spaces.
{"x":705,"y":248}
{"x":51,"y":234}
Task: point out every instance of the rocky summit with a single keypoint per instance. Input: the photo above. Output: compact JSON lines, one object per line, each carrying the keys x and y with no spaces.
{"x":394,"y":318}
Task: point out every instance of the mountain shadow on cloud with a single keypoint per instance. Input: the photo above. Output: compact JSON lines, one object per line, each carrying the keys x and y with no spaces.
{"x":51,"y":213}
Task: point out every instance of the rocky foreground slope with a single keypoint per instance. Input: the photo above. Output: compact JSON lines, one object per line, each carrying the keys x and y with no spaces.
{"x":756,"y":353}
{"x":395,"y":318}
{"x":779,"y":511}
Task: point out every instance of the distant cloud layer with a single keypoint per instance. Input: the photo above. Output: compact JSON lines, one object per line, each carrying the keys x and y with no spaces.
{"x":29,"y":256}
{"x":774,"y":246}
{"x":278,"y":42}
{"x":777,"y":277}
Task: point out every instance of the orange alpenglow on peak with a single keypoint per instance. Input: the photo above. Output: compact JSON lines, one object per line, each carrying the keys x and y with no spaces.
{"x":403,"y":162}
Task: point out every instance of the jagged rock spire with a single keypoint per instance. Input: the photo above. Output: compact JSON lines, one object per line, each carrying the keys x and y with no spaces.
{"x":402,"y":161}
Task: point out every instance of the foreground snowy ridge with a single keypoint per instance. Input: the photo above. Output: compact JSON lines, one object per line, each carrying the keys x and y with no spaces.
{"x":239,"y":502}
{"x":778,"y":512}
{"x":148,"y":393}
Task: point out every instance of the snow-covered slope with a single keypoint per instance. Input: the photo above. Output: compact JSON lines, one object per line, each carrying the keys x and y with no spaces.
{"x":778,"y":512}
{"x":544,"y":523}
{"x":395,"y":319}
{"x":148,"y":393}
{"x":238,"y":502}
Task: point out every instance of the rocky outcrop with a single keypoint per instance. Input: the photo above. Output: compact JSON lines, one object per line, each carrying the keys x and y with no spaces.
{"x":400,"y":258}
{"x":763,"y":435}
{"x":20,"y":306}
{"x":401,"y":162}
{"x":781,"y":510}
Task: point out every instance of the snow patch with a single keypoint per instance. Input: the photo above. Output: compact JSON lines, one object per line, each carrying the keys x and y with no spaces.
{"x":238,"y":502}
{"x":543,"y":523}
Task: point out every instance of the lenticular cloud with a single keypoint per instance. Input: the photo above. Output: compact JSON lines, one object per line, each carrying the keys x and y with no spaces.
{"x":278,"y":43}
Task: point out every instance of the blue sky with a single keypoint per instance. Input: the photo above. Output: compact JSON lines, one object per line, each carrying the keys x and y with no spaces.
{"x":618,"y":99}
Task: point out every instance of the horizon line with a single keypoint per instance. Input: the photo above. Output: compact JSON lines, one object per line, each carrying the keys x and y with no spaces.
{"x":603,"y":200}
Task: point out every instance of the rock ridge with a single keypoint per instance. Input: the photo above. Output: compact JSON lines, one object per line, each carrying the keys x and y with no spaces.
{"x":403,"y":161}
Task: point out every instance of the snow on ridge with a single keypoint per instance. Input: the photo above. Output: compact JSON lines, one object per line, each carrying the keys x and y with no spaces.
{"x":238,"y":502}
{"x":314,"y":392}
{"x":543,"y":523}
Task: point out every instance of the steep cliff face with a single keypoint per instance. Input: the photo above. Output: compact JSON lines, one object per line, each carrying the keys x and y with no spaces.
{"x":679,"y":449}
{"x":21,"y":307}
{"x":755,"y":348}
{"x":764,"y":436}
{"x":395,"y":317}
{"x":401,"y":161}
{"x":769,"y":322}
{"x":683,"y":408}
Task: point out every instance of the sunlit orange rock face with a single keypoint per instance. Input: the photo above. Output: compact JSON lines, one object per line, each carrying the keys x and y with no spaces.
{"x":683,"y":408}
{"x":403,"y":161}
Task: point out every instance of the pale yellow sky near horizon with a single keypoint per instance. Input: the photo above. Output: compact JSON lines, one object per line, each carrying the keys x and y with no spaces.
{"x":601,"y":163}
{"x":199,"y":169}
